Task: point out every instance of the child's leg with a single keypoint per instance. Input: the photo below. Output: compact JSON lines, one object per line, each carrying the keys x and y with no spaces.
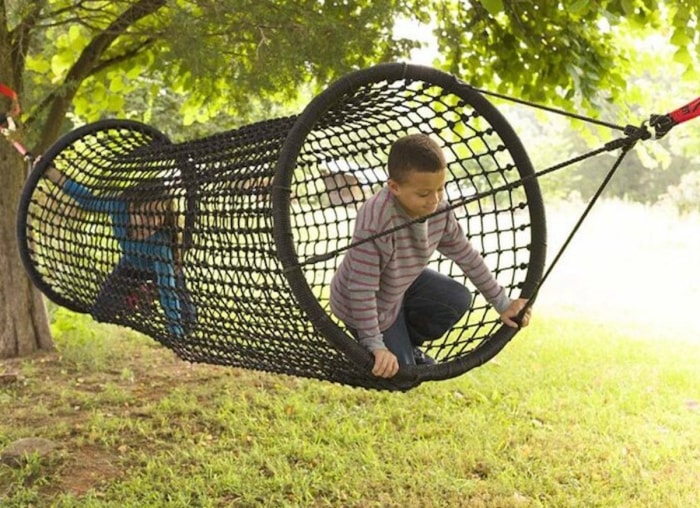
{"x":432,"y":305}
{"x":112,"y":296}
{"x":188,"y":310}
{"x":396,"y":338}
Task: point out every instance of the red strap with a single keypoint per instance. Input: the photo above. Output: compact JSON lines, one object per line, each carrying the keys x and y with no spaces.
{"x":690,"y":110}
{"x":8,"y":92}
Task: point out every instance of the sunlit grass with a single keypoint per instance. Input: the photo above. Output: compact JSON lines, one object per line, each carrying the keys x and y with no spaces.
{"x":569,"y":414}
{"x":584,"y":408}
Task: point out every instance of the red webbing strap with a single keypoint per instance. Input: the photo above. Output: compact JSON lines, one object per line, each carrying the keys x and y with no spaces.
{"x":9,"y":92}
{"x":663,"y":123}
{"x":685,"y":113}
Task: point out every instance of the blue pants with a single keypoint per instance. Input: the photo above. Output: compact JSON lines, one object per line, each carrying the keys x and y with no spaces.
{"x":432,"y":305}
{"x":125,"y":280}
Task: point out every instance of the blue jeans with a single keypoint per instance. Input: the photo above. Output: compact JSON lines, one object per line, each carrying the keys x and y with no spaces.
{"x":126,"y":280}
{"x":432,"y":305}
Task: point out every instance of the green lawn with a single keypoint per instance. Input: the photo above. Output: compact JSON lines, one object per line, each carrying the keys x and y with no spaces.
{"x":570,"y":414}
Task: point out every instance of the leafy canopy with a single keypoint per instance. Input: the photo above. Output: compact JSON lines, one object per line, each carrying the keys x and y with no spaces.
{"x":192,"y":61}
{"x":561,"y":52}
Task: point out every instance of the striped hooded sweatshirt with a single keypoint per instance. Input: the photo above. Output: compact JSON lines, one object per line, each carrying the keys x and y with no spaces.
{"x":367,"y":289}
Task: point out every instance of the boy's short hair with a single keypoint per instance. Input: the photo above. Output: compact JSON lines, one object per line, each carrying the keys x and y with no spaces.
{"x":415,"y":152}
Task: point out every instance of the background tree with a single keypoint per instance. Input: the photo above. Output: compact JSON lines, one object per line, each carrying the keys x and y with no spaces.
{"x":578,"y":52}
{"x":215,"y":64}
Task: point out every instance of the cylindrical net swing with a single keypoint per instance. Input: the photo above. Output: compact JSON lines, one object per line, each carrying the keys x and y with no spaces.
{"x":261,"y":218}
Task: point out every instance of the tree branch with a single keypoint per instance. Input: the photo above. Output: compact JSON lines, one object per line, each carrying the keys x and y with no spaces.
{"x":123,"y":57}
{"x":86,"y":64}
{"x":21,"y":37}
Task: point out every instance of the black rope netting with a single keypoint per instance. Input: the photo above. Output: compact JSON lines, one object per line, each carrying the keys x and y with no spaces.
{"x":260,"y":218}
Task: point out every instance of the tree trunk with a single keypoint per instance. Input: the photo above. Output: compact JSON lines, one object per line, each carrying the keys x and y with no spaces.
{"x":24,"y":325}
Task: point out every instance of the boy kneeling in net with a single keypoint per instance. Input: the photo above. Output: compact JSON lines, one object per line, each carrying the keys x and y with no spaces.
{"x":144,"y":223}
{"x":383,"y":291}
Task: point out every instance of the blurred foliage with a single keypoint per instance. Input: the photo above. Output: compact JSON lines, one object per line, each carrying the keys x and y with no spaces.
{"x":685,"y":196}
{"x":221,"y":63}
{"x":212,"y":64}
{"x":568,"y":53}
{"x":193,"y":67}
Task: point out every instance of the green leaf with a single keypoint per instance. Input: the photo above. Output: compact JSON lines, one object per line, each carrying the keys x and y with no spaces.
{"x":116,"y":102}
{"x":117,"y":84}
{"x":75,"y":33}
{"x":627,"y":7}
{"x":680,"y":37}
{"x":579,"y":6}
{"x":38,"y":65}
{"x":98,"y":95}
{"x":494,"y":7}
{"x":60,"y":63}
{"x":691,"y":74}
{"x":682,"y":55}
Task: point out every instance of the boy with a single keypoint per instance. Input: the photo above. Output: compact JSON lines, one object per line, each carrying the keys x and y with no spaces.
{"x":144,"y":223}
{"x":383,"y":291}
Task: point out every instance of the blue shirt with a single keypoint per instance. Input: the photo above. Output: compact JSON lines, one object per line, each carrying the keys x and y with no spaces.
{"x":152,"y":254}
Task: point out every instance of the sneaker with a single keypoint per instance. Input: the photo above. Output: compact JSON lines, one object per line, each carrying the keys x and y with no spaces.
{"x":421,"y":358}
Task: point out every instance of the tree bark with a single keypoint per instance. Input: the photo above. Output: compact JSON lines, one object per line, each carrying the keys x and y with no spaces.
{"x":24,"y":326}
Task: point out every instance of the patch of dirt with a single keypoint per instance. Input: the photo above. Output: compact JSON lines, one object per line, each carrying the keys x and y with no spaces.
{"x":46,"y":397}
{"x":87,"y":468}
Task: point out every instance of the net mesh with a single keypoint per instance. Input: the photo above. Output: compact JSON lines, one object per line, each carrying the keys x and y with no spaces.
{"x":260,"y":217}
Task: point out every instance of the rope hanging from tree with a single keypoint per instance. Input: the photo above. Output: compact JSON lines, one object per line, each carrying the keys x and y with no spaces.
{"x":261,"y":216}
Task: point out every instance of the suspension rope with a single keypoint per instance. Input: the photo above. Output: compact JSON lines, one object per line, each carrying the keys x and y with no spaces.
{"x":625,"y":150}
{"x":550,"y":109}
{"x":632,"y":135}
{"x":661,"y":123}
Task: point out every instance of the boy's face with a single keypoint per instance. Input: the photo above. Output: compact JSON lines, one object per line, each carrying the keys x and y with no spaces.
{"x":420,"y":192}
{"x":150,"y":213}
{"x":154,"y":207}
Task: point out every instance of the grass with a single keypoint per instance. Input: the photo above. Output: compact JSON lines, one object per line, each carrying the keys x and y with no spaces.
{"x":570,"y":414}
{"x":575,"y":412}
